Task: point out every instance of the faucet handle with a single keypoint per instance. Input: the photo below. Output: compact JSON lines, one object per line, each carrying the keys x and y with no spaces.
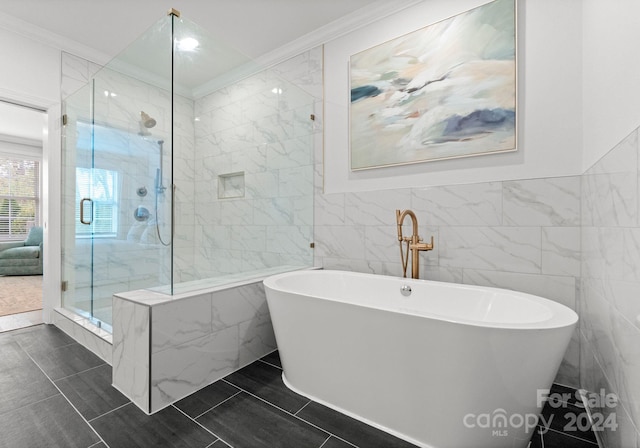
{"x":423,"y":246}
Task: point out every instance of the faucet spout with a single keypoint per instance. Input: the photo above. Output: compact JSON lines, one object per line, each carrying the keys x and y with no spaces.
{"x":414,"y":243}
{"x":400,"y":216}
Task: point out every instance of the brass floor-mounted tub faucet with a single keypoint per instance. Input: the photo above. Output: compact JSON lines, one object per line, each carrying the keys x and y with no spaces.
{"x":414,"y":244}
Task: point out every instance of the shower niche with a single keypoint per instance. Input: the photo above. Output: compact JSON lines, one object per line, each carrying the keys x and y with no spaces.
{"x":231,"y":185}
{"x":186,"y":165}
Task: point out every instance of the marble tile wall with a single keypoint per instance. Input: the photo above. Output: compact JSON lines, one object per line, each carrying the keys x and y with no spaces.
{"x":522,"y":235}
{"x":259,"y":127}
{"x":610,"y":300}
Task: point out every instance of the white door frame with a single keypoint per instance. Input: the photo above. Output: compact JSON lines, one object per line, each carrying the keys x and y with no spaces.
{"x":51,"y":196}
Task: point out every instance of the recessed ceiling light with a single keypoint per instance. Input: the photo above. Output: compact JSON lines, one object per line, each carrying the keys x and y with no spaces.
{"x":187,"y":44}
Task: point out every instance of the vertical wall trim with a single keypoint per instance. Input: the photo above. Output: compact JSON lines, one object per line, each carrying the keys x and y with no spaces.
{"x":149,"y":354}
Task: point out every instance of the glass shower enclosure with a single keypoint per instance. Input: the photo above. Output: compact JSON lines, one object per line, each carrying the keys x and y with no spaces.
{"x":185,"y":165}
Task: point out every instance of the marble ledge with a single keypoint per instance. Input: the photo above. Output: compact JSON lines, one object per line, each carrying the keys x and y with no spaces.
{"x":84,"y":332}
{"x":157,"y":296}
{"x":86,"y":324}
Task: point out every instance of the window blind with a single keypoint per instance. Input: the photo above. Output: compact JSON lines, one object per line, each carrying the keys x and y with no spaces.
{"x":101,"y":186}
{"x":19,"y":196}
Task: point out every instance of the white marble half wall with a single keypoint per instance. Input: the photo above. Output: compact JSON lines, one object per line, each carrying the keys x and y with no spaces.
{"x":167,"y":347}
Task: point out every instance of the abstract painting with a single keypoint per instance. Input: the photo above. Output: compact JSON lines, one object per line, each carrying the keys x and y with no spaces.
{"x":444,"y":91}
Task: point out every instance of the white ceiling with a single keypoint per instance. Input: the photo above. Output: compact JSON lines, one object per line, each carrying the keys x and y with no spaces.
{"x":254,"y":27}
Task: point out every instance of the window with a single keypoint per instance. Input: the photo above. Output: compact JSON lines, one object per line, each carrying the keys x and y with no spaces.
{"x":19,"y":197}
{"x":102,"y":187}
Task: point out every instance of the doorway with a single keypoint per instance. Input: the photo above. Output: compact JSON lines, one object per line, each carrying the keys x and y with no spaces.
{"x":21,"y":241}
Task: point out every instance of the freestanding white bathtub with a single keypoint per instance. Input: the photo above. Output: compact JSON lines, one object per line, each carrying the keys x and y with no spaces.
{"x":448,"y":366}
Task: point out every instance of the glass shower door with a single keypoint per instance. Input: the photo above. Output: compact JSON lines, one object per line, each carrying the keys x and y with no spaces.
{"x":76,"y":204}
{"x":117,"y":198}
{"x":90,"y":197}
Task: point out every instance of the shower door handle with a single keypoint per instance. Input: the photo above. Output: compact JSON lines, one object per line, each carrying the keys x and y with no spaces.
{"x":82,"y":211}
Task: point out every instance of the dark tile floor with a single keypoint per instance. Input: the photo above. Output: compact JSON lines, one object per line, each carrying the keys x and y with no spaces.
{"x":54,"y":393}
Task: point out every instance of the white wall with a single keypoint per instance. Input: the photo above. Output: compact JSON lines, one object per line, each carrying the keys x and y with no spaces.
{"x":30,"y":70}
{"x":550,"y":100}
{"x":611,"y":73}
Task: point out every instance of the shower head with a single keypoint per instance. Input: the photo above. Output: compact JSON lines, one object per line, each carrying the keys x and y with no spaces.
{"x":146,"y":120}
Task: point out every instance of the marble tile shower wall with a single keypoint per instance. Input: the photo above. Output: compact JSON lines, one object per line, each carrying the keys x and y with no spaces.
{"x":260,"y":127}
{"x":522,"y":235}
{"x":133,"y":259}
{"x":610,"y":302}
{"x":184,"y":179}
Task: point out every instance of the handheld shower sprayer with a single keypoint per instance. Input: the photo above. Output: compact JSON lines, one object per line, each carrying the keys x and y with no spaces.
{"x":160,"y":188}
{"x":399,"y":225}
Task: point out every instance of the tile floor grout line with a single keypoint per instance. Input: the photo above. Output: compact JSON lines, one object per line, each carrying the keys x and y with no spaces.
{"x":31,"y":404}
{"x":289,"y":413}
{"x":325,"y":442}
{"x":73,"y":341}
{"x":84,"y":371}
{"x":572,"y":436}
{"x":6,"y":330}
{"x":64,"y":346}
{"x":67,"y":399}
{"x":220,"y":440}
{"x":109,"y":412}
{"x":213,"y":407}
{"x":305,"y":405}
{"x":59,"y":392}
{"x":269,"y":364}
{"x":201,"y":425}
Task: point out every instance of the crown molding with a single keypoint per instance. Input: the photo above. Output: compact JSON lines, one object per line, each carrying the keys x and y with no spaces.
{"x":35,"y":33}
{"x":338,"y":28}
{"x":333,"y":30}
